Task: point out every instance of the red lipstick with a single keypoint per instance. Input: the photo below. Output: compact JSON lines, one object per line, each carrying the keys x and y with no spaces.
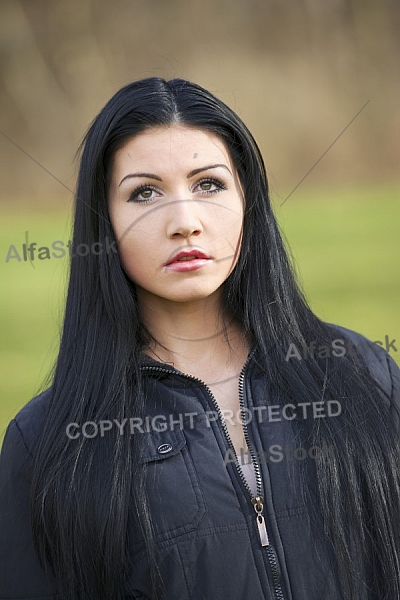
{"x":189,"y":259}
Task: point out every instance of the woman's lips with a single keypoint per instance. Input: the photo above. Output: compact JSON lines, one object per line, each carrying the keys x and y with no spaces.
{"x":187,"y":265}
{"x":187,"y":259}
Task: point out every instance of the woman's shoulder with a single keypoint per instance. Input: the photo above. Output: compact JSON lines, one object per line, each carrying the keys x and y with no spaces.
{"x":381,"y":365}
{"x":27,"y":423}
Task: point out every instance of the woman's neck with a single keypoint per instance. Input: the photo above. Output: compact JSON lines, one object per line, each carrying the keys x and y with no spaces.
{"x":194,"y":338}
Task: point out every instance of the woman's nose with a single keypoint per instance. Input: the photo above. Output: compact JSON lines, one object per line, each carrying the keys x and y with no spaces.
{"x":183,"y":218}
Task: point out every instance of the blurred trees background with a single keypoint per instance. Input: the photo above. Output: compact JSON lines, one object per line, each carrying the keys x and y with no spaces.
{"x":297,"y":72}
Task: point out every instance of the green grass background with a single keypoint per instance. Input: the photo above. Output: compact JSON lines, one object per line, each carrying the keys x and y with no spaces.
{"x":344,"y":241}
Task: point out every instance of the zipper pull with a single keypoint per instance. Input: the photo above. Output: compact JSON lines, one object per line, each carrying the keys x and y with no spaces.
{"x":262,"y":529}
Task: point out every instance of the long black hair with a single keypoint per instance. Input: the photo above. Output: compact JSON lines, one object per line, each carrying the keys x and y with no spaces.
{"x":84,"y":491}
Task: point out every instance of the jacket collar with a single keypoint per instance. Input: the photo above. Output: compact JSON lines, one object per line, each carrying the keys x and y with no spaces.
{"x":147,"y":361}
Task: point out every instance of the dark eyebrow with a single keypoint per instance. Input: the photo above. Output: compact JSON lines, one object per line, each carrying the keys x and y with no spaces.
{"x":188,"y":176}
{"x":195,"y":171}
{"x":148,"y":175}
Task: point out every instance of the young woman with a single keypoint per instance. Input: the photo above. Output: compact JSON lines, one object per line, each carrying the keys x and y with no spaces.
{"x":205,"y":435}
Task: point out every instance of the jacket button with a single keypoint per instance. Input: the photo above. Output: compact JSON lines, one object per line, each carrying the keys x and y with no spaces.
{"x":164,"y":448}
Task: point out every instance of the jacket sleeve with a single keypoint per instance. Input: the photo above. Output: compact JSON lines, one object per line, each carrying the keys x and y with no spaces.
{"x":20,"y":573}
{"x":386,"y":373}
{"x":381,"y":366}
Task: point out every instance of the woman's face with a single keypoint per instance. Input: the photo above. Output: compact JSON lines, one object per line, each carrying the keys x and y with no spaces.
{"x":176,"y":207}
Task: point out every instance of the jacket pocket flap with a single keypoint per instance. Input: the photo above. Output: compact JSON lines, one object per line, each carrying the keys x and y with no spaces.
{"x":159,"y":445}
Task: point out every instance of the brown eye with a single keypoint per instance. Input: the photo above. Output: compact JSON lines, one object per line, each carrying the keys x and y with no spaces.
{"x":211,"y":185}
{"x":144,"y":193}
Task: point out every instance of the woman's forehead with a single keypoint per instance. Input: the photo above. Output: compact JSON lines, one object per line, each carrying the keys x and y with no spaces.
{"x":170,"y":151}
{"x":172,"y":145}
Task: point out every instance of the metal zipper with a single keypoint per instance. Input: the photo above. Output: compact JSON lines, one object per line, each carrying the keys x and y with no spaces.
{"x":257,"y":501}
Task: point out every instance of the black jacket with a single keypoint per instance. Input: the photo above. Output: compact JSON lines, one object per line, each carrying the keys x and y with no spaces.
{"x":207,"y":529}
